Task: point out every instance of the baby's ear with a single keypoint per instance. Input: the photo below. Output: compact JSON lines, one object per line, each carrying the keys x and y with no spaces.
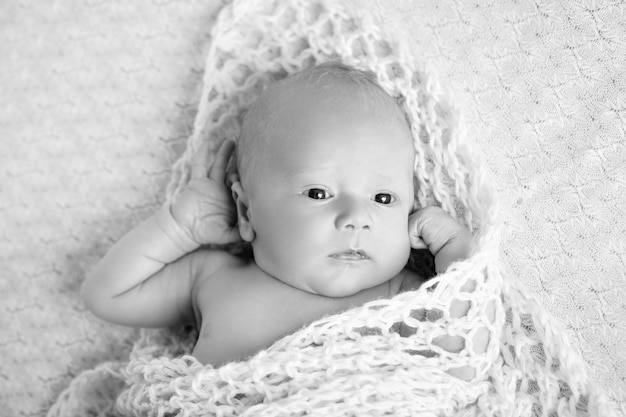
{"x":243,"y":212}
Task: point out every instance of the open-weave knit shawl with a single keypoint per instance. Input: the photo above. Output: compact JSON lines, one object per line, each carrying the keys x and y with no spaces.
{"x":357,"y":363}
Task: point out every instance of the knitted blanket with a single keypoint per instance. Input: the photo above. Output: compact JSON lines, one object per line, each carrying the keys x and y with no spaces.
{"x":357,"y":362}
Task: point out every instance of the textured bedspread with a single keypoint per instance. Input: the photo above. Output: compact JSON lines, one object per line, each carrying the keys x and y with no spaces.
{"x":98,"y":98}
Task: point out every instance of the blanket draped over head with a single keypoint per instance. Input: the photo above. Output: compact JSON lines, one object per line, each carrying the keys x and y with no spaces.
{"x":356,"y":363}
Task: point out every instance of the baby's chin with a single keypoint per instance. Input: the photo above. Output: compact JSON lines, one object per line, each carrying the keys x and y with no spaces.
{"x":335,"y":292}
{"x":344,"y":286}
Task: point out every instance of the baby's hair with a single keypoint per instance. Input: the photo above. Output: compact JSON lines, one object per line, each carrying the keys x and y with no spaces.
{"x":263,"y":113}
{"x":341,"y":72}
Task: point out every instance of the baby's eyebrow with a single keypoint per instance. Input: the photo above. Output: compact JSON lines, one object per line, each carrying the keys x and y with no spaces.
{"x":304,"y":171}
{"x":310,"y":171}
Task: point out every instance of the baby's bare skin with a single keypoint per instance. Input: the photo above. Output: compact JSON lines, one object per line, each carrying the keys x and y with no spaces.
{"x":327,"y":211}
{"x":240,"y":310}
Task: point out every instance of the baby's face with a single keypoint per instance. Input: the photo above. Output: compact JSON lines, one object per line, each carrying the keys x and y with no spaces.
{"x":330,"y":204}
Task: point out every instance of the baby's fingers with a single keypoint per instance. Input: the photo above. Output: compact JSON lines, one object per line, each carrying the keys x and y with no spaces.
{"x":218,"y":170}
{"x":431,"y":227}
{"x":417,"y":242}
{"x":416,"y":224}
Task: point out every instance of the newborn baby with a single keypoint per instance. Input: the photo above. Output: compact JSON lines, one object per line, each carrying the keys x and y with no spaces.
{"x":324,"y":195}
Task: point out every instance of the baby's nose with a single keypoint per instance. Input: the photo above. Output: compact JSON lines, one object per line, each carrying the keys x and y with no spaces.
{"x":353,"y":216}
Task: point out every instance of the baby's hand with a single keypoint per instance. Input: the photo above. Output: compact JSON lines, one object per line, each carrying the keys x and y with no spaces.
{"x":433,"y":229}
{"x":205,"y":208}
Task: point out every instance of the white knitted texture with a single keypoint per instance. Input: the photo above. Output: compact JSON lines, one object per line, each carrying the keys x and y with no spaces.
{"x":354,"y":363}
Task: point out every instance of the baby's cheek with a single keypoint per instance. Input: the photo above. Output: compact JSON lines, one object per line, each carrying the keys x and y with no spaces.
{"x":396,"y":246}
{"x":404,"y":242}
{"x":404,"y":250}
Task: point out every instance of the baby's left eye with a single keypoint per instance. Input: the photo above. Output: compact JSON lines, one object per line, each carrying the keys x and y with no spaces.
{"x":384,"y":198}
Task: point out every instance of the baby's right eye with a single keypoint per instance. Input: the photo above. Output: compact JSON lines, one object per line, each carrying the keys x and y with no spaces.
{"x":317,"y":194}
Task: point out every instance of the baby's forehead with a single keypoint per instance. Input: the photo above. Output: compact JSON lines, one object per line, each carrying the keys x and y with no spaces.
{"x":312,"y":98}
{"x":325,"y":87}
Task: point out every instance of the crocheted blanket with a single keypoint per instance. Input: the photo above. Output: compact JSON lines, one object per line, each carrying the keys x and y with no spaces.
{"x":99,"y":98}
{"x":357,"y":362}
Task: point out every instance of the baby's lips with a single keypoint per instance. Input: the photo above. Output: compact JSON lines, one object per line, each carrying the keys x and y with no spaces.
{"x":351,"y":254}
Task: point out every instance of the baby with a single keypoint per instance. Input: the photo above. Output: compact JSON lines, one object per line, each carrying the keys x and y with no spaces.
{"x":324,"y":195}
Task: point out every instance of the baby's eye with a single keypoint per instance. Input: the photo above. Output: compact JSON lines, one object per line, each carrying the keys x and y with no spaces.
{"x":317,"y":194}
{"x":384,"y":198}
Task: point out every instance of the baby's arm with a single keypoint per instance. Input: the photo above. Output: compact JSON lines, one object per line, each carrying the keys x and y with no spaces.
{"x":448,"y":241}
{"x":146,"y":278}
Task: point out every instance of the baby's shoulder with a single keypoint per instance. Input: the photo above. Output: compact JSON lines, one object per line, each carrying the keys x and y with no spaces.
{"x":207,"y":262}
{"x":208,"y":268}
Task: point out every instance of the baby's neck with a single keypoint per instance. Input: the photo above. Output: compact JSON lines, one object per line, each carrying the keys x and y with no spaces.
{"x":405,"y":280}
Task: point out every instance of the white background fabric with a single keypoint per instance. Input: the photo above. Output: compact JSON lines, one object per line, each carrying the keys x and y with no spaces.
{"x":98,"y":98}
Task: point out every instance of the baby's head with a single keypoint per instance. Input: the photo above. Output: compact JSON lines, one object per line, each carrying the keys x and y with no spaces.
{"x":326,"y":181}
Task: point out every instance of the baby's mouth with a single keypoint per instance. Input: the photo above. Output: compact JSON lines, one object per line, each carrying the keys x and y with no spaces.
{"x":351,"y":255}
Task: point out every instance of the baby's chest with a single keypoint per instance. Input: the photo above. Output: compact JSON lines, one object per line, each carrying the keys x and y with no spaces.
{"x":241,"y":314}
